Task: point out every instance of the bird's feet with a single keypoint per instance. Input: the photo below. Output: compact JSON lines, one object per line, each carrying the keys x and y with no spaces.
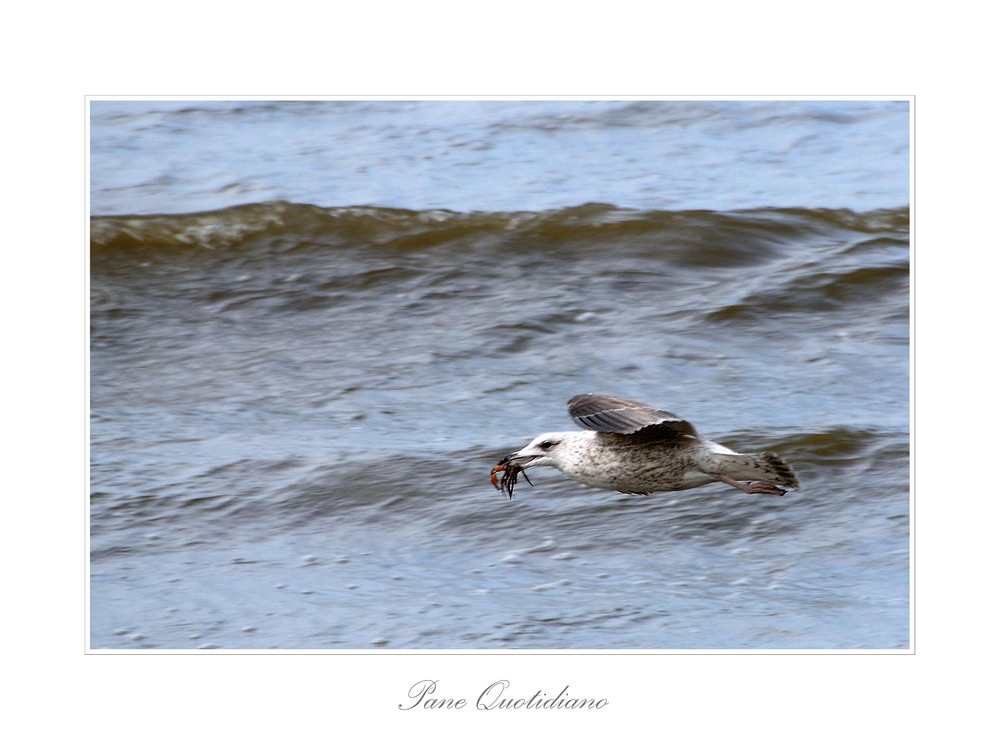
{"x":754,"y":488}
{"x":762,"y":488}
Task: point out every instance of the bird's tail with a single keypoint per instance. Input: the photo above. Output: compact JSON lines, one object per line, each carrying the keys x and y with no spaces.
{"x":762,"y":467}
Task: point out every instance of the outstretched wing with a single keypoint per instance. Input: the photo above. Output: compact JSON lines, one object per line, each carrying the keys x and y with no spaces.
{"x":602,"y":413}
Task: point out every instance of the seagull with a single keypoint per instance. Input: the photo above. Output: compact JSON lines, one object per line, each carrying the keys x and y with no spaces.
{"x":636,"y":449}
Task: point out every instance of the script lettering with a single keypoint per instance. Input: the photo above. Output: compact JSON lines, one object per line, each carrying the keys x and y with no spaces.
{"x":420,"y":695}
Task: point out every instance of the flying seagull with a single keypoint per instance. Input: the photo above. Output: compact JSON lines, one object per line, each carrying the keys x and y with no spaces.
{"x":636,"y":449}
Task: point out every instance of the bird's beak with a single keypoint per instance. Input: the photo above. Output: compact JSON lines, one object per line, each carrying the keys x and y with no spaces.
{"x":517,"y":459}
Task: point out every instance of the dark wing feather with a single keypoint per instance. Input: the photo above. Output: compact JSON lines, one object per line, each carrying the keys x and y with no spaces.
{"x":602,"y":413}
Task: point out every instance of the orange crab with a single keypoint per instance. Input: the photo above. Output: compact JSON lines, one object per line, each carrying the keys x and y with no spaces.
{"x":509,"y":479}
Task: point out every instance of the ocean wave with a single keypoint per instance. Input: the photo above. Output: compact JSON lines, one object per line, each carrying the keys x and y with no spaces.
{"x":452,"y":492}
{"x":290,"y":226}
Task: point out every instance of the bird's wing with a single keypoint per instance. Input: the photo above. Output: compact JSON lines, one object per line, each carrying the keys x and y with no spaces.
{"x":602,"y":413}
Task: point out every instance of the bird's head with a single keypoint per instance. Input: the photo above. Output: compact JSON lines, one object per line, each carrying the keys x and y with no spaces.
{"x":544,"y":450}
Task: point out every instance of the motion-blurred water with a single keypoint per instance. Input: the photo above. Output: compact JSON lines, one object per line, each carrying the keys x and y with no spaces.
{"x":317,"y":325}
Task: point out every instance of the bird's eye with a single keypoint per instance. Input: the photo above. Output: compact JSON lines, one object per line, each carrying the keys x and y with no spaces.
{"x":545,"y":444}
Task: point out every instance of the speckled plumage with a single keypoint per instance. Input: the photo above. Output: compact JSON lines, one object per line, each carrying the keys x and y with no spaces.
{"x":633,"y":448}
